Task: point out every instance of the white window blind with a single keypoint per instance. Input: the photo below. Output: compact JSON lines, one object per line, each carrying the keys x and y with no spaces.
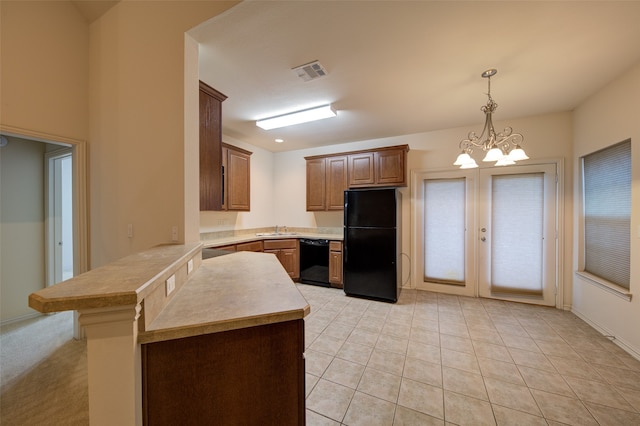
{"x":517,"y":226}
{"x":444,"y":229}
{"x":607,"y":213}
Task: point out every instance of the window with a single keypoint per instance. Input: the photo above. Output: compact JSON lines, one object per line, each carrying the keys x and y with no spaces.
{"x":606,"y":177}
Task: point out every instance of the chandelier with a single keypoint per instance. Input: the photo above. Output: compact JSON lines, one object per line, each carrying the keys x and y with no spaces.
{"x":503,"y":148}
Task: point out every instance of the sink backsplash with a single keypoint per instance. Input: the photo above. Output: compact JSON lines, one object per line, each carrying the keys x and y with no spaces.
{"x":206,"y":236}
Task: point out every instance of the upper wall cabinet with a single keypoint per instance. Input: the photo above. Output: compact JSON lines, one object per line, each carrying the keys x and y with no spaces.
{"x":326,"y":182}
{"x":379,"y":167}
{"x":236,"y":166}
{"x":329,"y":175}
{"x":210,"y":148}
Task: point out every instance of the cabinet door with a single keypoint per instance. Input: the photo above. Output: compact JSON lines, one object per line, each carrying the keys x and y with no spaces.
{"x":289,"y":260}
{"x":335,"y":268}
{"x":336,"y":182}
{"x":316,"y":181}
{"x":390,"y":167}
{"x":237,"y":175}
{"x":210,"y":148}
{"x":361,"y":169}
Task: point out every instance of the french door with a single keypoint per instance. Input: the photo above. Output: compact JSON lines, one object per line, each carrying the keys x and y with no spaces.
{"x":487,"y":232}
{"x":517,"y":247}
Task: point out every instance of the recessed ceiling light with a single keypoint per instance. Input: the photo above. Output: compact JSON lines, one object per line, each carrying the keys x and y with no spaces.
{"x":279,"y":140}
{"x":297,"y":117}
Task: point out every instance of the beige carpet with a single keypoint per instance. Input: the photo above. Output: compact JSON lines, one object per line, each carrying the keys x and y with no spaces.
{"x":43,"y":373}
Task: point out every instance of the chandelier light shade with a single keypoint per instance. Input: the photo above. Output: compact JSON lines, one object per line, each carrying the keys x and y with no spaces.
{"x":297,"y":117}
{"x":503,"y":148}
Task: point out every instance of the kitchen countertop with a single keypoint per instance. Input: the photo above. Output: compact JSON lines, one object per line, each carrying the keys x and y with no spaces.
{"x":127,"y":281}
{"x":246,"y":238}
{"x":229,"y":292}
{"x":225,"y":294}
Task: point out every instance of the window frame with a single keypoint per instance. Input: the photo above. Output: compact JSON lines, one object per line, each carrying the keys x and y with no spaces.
{"x":601,"y":282}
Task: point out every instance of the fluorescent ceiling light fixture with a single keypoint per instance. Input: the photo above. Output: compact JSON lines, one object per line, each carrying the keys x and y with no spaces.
{"x":297,"y":117}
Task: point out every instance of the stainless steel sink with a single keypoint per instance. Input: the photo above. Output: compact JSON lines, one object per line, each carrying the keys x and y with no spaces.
{"x":275,"y":234}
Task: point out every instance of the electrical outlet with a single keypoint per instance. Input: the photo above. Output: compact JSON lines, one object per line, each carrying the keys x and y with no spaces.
{"x":189,"y":266}
{"x":174,"y":233}
{"x":130,"y":230}
{"x":171,"y":284}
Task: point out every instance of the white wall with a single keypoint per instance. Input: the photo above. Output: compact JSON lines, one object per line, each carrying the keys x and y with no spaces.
{"x":22,"y":263}
{"x":607,"y":117}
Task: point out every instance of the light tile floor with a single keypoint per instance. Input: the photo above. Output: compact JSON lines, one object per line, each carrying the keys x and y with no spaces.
{"x":436,"y":359}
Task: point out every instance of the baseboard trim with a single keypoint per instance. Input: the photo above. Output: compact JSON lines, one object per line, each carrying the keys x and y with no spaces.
{"x":605,"y":332}
{"x":20,"y":318}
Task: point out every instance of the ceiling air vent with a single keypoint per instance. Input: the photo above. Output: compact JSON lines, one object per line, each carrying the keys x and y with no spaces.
{"x":311,"y":71}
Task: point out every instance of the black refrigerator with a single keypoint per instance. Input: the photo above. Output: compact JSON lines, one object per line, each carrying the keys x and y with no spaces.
{"x":371,"y":261}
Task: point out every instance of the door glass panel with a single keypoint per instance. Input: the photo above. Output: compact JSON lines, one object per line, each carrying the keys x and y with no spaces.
{"x":444,"y":230}
{"x":517,"y":232}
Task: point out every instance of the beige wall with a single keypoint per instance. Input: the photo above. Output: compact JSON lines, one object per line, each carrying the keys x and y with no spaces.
{"x":22,"y":262}
{"x":44,"y":92}
{"x":45,"y":68}
{"x":137,"y":135}
{"x":608,"y":117}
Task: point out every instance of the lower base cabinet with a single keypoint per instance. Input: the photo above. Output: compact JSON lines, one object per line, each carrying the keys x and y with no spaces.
{"x":287,"y":253}
{"x":335,"y":264}
{"x":250,"y":376}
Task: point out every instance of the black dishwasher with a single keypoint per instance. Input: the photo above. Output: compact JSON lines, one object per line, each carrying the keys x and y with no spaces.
{"x":314,"y":262}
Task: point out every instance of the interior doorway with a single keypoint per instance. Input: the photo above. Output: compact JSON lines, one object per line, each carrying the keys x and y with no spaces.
{"x":25,"y":232}
{"x":59,"y":217}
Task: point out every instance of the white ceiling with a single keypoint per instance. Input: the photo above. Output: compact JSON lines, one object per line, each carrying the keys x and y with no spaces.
{"x":398,"y":67}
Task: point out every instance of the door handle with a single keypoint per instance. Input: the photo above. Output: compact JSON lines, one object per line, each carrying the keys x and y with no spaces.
{"x":483,"y":239}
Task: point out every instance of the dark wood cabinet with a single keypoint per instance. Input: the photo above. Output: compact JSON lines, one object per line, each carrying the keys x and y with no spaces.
{"x":336,"y":182}
{"x":250,"y":246}
{"x":335,"y":264}
{"x":316,"y":184}
{"x":249,"y":376}
{"x":287,"y":251}
{"x":390,"y":167}
{"x":361,"y":169}
{"x":210,"y":147}
{"x":328,"y":176}
{"x":326,"y":182}
{"x":380,"y":167}
{"x":236,"y":166}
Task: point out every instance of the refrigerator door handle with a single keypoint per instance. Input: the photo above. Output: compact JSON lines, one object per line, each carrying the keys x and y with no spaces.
{"x":345,"y":251}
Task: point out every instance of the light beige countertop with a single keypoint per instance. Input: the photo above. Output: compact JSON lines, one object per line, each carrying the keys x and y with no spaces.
{"x":245,"y":238}
{"x":239,"y":290}
{"x":126,"y":281}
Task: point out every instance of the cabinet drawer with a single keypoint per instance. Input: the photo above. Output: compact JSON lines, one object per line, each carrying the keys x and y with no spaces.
{"x":280,"y":244}
{"x":335,"y":246}
{"x":252,"y":246}
{"x":228,"y":248}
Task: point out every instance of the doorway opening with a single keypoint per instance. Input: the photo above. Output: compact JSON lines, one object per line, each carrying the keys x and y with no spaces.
{"x":59,"y":218}
{"x":490,"y":232}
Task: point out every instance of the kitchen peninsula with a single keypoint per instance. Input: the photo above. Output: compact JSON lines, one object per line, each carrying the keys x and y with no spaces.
{"x":173,"y":339}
